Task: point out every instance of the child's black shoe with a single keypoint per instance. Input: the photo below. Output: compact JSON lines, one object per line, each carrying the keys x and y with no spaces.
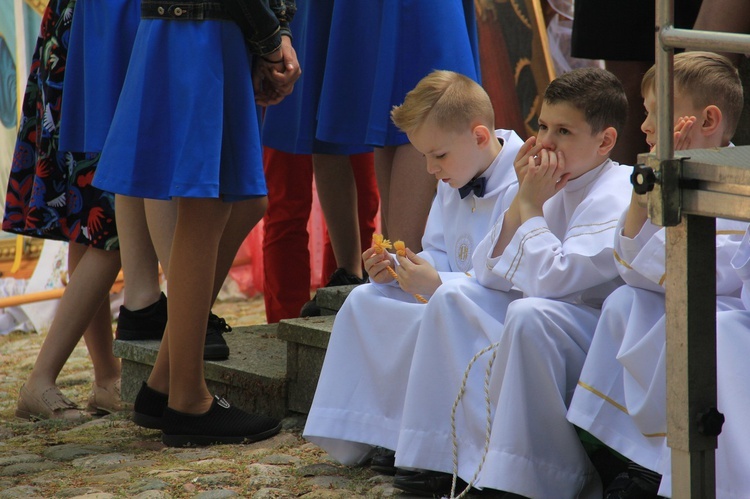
{"x":637,"y":483}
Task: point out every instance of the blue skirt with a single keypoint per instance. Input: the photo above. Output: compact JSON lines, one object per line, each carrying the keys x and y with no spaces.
{"x":186,"y":124}
{"x":290,"y":126}
{"x":100,"y":44}
{"x":378,"y":51}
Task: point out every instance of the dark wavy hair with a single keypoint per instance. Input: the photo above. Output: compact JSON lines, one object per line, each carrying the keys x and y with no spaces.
{"x":594,"y":91}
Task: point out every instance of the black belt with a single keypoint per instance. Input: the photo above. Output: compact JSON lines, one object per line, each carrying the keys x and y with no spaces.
{"x":184,"y":10}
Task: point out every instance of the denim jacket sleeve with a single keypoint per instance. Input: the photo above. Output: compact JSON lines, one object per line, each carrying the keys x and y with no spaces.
{"x":263,"y":22}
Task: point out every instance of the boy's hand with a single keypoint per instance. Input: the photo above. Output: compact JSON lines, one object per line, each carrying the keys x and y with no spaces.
{"x":527,"y":154}
{"x":636,"y":215}
{"x":542,"y":181}
{"x":638,"y":210}
{"x":376,"y":265}
{"x":682,"y":132}
{"x":416,"y":275}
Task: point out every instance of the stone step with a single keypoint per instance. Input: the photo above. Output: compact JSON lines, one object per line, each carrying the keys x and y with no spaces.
{"x":253,"y":378}
{"x":272,"y":368}
{"x":330,"y":299}
{"x":307,"y":340}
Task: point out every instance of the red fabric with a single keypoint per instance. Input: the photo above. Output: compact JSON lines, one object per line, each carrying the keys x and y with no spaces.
{"x":288,"y":253}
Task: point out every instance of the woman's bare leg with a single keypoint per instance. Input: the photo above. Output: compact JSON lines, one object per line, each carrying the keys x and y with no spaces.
{"x":161,"y":217}
{"x":245,"y":215}
{"x":93,"y":271}
{"x":337,"y":191}
{"x":410,"y":193}
{"x":140,"y":265}
{"x":192,"y":270}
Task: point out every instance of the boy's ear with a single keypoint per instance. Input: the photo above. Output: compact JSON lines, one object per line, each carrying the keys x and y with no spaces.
{"x":482,"y":135}
{"x":711,"y":119}
{"x":608,"y":141}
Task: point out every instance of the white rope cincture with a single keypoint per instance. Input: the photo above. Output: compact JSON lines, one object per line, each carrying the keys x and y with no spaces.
{"x":488,"y":433}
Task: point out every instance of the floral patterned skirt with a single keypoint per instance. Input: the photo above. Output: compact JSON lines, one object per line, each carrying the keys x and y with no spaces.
{"x":49,"y":191}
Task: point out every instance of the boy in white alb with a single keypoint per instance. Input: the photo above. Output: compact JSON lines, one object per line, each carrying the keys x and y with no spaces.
{"x":359,"y":396}
{"x":621,"y":393}
{"x":554,"y":244}
{"x":733,"y":374}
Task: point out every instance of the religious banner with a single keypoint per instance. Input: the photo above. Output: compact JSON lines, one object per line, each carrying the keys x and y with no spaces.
{"x":523,"y":45}
{"x":515,"y":60}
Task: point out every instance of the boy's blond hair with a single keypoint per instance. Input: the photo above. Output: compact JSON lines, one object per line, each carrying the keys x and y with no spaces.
{"x":452,"y":100}
{"x":707,"y":79}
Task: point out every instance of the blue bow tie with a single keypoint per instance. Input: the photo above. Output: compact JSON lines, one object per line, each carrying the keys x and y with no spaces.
{"x":476,"y":186}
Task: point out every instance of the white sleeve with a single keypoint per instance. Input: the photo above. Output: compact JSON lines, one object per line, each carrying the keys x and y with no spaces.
{"x":433,"y":241}
{"x":641,"y":260}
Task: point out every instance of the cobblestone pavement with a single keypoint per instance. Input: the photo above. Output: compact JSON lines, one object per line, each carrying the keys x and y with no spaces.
{"x":112,"y":457}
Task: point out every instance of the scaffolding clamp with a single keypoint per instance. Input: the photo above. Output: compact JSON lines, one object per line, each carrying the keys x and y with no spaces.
{"x":662,"y":181}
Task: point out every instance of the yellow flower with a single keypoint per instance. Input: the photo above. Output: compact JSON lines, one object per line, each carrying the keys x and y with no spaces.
{"x":400,"y":248}
{"x":380,"y":244}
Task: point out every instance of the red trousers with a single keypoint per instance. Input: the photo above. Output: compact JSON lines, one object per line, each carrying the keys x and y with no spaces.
{"x":286,"y":257}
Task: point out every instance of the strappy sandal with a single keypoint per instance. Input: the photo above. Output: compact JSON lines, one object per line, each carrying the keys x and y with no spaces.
{"x":52,"y":404}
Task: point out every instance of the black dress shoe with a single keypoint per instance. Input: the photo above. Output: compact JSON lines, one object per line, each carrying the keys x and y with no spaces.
{"x":383,"y":462}
{"x":427,"y":483}
{"x":437,"y":484}
{"x":637,"y":483}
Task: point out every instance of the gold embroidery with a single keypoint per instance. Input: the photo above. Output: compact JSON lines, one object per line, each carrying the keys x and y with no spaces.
{"x":664,"y":276}
{"x":622,"y":262}
{"x":654,"y":435}
{"x":614,"y":220}
{"x":521,"y":250}
{"x":602,"y":396}
{"x":605,"y":229}
{"x":463,"y":252}
{"x":519,"y":254}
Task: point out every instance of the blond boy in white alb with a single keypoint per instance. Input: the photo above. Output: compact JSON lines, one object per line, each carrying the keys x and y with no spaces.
{"x":360,"y":394}
{"x":621,"y":394}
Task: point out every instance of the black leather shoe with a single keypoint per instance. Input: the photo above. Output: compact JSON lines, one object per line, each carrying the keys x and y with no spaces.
{"x":437,"y":484}
{"x":427,"y":483}
{"x":384,"y":462}
{"x":637,"y":483}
